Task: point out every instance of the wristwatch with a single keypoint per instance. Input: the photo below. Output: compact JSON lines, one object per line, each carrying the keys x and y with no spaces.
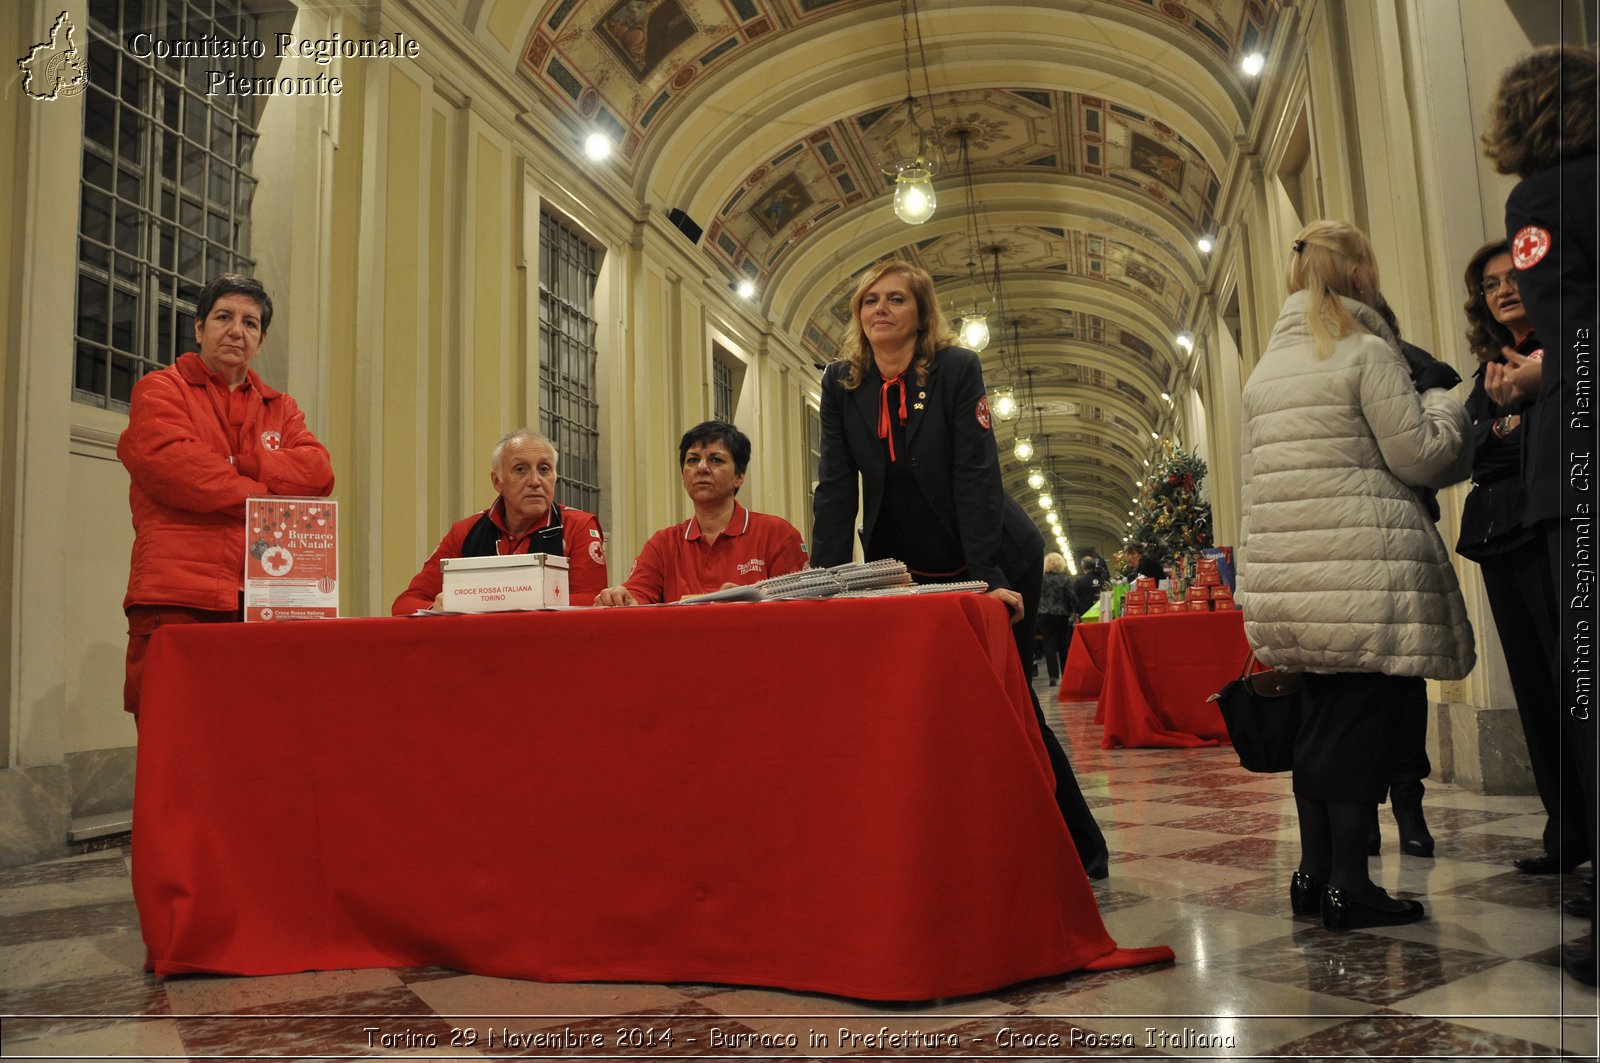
{"x":1502,"y":426}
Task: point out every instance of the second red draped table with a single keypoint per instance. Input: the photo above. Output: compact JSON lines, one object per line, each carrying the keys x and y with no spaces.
{"x":1158,"y":672}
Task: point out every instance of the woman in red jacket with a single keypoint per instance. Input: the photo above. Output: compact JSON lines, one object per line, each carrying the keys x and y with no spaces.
{"x":203,"y":435}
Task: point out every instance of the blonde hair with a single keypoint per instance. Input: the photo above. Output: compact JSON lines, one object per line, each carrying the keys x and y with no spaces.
{"x":1054,"y":562}
{"x":933,"y":332}
{"x":1331,"y":259}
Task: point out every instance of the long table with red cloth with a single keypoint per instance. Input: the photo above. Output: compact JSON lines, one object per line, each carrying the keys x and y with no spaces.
{"x":1159,"y":672}
{"x":843,"y":796}
{"x":1084,"y":670}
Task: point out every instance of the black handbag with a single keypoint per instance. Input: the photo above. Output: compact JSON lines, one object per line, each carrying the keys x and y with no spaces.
{"x":1262,"y":713}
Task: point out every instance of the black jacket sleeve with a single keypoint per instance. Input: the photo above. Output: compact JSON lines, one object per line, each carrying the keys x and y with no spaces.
{"x":974,"y":466}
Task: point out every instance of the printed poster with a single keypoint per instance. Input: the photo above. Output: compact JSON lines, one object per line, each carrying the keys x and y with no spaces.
{"x":291,"y":559}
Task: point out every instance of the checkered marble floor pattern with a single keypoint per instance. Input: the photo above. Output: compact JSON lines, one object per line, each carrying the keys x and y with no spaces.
{"x":1201,"y":857}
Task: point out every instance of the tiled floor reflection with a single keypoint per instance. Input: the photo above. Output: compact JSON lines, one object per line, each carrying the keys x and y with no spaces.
{"x":1201,"y":858}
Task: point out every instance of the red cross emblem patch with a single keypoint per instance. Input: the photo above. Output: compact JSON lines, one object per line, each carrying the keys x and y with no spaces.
{"x":1529,"y":246}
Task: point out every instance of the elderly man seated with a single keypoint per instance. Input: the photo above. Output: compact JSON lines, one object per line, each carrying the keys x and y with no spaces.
{"x":525,"y":519}
{"x":723,"y":544}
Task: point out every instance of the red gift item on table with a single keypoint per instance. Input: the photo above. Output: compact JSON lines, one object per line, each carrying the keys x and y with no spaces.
{"x":1159,"y":604}
{"x":1199,"y":605}
{"x":1143,"y":583}
{"x":1133,"y":608}
{"x":1221,"y":602}
{"x":1198,"y":593}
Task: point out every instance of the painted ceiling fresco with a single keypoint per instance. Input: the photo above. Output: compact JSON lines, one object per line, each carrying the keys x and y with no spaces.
{"x":1092,"y":202}
{"x":624,"y":64}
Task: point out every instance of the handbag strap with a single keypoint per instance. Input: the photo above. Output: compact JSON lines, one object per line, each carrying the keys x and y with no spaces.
{"x":1249,"y":661}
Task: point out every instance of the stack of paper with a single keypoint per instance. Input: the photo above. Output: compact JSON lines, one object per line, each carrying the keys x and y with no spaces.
{"x":871,"y":579}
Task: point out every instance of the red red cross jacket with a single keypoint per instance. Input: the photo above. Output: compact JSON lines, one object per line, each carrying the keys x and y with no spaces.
{"x":189,"y":485}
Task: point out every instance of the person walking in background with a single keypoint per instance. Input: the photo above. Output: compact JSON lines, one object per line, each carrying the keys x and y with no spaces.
{"x":1342,"y":575}
{"x":1055,"y":615}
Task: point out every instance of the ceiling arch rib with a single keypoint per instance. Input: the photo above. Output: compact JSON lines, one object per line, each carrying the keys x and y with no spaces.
{"x":815,"y":75}
{"x":1125,"y":227}
{"x":715,"y":148}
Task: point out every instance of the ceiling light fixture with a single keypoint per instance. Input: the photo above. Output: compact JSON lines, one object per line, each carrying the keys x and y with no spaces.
{"x":1205,"y":244}
{"x":974,"y":329}
{"x":1005,"y":403}
{"x":1035,"y":478}
{"x":914,"y":199}
{"x":1253,"y":64}
{"x":1186,"y":341}
{"x":1005,"y":406}
{"x":597,"y":146}
{"x":746,"y":289}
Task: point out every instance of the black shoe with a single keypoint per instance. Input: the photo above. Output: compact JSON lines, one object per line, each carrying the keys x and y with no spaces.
{"x":1305,"y":893}
{"x":1098,"y":868}
{"x":1580,"y":964}
{"x":1543,"y":864}
{"x":1415,"y":840}
{"x":1581,"y":906}
{"x":1341,"y":911}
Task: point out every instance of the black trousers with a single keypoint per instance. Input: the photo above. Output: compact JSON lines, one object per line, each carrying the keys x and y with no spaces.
{"x":1519,"y":598}
{"x":1057,"y":632}
{"x":1580,"y":739}
{"x":1027,"y":580}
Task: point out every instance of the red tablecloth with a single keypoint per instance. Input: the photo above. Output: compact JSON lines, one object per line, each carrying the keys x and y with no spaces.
{"x":846,"y":796}
{"x":1159,"y":672}
{"x":1085,"y":669}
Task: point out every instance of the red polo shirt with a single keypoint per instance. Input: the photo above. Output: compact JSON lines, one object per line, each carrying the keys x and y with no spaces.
{"x":677,"y":561}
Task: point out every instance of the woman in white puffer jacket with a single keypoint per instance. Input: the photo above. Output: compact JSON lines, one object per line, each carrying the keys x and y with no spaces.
{"x":1342,"y":575}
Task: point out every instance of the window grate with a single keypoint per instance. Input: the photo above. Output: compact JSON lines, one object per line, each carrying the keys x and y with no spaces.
{"x":568,"y":407}
{"x":167,"y":188}
{"x":721,"y":390}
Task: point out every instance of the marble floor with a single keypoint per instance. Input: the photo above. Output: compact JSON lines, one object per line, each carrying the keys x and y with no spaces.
{"x":1202,"y":853}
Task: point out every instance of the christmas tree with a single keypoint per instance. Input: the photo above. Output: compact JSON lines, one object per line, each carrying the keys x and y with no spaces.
{"x":1171,"y":520}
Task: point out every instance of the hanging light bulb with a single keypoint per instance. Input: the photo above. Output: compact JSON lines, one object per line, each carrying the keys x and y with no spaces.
{"x":1023,"y":450}
{"x":1046,"y":502}
{"x":1053,"y":517}
{"x":1005,"y":404}
{"x":1036,"y":478}
{"x":914,"y":201}
{"x":974,"y":331}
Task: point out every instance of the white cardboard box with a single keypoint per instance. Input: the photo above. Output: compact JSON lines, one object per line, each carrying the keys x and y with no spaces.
{"x":498,"y":584}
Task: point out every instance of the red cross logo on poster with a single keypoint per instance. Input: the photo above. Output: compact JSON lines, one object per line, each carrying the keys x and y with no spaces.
{"x":277,"y":561}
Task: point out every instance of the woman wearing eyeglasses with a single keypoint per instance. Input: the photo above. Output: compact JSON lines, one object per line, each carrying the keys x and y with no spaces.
{"x":1513,"y":558}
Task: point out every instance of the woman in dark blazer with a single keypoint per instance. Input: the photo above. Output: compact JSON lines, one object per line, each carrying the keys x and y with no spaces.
{"x":906,"y":414}
{"x":1513,"y":559}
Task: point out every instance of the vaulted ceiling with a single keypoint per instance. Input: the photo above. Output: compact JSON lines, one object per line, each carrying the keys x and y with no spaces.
{"x":1100,"y":134}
